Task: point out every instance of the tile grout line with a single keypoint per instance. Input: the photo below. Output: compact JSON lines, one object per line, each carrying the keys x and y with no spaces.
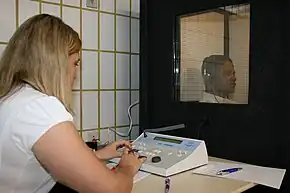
{"x":115,"y":73}
{"x":99,"y":73}
{"x":17,"y":13}
{"x":60,"y":7}
{"x":130,"y":59}
{"x":40,"y":6}
{"x":95,"y":50}
{"x":87,"y":9}
{"x":81,"y":72}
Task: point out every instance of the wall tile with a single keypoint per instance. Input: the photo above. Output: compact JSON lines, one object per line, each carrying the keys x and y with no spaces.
{"x":135,"y":36}
{"x":71,"y":2}
{"x":77,"y":109}
{"x":77,"y":82}
{"x":123,"y":71}
{"x":51,"y":9}
{"x":107,"y":5}
{"x":123,"y":130}
{"x":107,"y":31}
{"x":90,"y":110}
{"x":107,"y":136}
{"x":122,"y":104}
{"x":135,"y":8}
{"x":135,"y":72}
{"x":90,"y":30}
{"x":123,"y":34}
{"x":27,"y":10}
{"x":71,"y":16}
{"x":107,"y":70}
{"x":7,"y":20}
{"x":123,"y":7}
{"x":90,"y":70}
{"x":107,"y":109}
{"x":135,"y":109}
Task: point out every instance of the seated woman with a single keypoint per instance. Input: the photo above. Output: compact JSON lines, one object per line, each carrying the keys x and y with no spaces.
{"x":39,"y":142}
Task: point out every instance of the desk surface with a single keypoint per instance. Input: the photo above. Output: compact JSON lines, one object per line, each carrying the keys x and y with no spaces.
{"x":188,"y":182}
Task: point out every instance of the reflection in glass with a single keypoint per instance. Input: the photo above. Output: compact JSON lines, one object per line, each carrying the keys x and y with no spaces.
{"x":212,"y":56}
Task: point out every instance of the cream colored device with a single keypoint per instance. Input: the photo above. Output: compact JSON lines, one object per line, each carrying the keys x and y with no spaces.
{"x":169,"y":155}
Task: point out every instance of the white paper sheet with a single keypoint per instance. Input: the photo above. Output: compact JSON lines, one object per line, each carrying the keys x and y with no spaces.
{"x":139,"y":176}
{"x":271,"y":177}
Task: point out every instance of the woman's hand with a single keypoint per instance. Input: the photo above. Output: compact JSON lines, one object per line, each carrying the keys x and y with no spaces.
{"x":111,"y":150}
{"x":130,"y":162}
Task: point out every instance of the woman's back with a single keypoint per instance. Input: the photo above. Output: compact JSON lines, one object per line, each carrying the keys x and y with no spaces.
{"x":22,"y":122}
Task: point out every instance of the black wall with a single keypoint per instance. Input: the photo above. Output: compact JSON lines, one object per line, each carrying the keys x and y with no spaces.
{"x":257,"y":133}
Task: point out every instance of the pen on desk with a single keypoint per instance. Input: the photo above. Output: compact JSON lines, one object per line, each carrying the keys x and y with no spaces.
{"x":167,"y":185}
{"x":228,"y":171}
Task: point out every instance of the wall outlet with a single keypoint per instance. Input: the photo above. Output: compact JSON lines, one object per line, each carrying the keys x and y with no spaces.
{"x":92,"y":4}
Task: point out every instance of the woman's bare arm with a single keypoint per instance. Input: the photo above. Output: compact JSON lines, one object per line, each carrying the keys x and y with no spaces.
{"x":65,"y":155}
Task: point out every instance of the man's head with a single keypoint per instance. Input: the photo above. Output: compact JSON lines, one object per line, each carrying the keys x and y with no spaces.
{"x":219,"y":75}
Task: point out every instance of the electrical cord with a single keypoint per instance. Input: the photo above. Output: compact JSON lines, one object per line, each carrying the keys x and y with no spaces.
{"x":131,"y":122}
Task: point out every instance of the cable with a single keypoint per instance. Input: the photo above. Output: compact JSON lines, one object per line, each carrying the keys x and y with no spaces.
{"x":131,"y":122}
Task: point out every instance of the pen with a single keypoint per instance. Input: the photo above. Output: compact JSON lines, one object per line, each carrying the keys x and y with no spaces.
{"x":167,"y":185}
{"x":114,"y":168}
{"x":228,"y":171}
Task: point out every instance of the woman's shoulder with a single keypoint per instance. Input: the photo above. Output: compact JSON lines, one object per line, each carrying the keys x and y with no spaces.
{"x":31,"y":101}
{"x":32,"y":113}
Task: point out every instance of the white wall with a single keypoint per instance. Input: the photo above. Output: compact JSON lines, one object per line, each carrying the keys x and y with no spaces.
{"x":108,"y":79}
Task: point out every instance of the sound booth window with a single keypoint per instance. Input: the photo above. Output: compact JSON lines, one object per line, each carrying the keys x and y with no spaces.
{"x":212,"y":57}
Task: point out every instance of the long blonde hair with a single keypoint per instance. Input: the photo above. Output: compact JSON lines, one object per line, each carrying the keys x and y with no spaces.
{"x":37,"y":54}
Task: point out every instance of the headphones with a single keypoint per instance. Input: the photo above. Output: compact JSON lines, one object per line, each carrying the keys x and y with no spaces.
{"x":209,"y":73}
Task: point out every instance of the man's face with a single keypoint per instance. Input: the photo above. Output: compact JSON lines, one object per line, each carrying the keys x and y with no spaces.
{"x":228,"y":78}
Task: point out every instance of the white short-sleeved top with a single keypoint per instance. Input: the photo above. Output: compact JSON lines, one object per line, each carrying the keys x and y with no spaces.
{"x":24,"y":118}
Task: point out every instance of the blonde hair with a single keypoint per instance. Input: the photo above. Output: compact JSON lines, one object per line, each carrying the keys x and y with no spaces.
{"x":37,"y":54}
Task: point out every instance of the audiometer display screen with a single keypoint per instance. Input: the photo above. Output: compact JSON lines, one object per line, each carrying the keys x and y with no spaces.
{"x":168,"y":140}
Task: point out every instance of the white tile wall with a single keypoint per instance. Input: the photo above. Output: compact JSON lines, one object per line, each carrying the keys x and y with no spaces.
{"x":123,"y":34}
{"x":135,"y":71}
{"x":123,"y":7}
{"x":107,"y":109}
{"x":90,"y":70}
{"x":7,"y":20}
{"x":90,"y":29}
{"x":72,"y":18}
{"x":107,"y":5}
{"x":107,"y":34}
{"x":75,"y":3}
{"x":135,"y":35}
{"x":51,"y":9}
{"x":122,"y":102}
{"x":123,"y":71}
{"x":110,"y":73}
{"x":107,"y":70}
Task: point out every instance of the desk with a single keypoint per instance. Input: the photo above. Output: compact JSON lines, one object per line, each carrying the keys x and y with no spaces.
{"x":187,"y":182}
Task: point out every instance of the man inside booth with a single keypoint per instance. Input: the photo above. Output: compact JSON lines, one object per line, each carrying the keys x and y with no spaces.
{"x":219,"y":78}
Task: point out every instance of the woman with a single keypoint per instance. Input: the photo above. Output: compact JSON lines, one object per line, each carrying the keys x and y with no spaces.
{"x":39,"y":143}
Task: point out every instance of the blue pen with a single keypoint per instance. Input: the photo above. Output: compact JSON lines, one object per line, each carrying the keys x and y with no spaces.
{"x":167,"y":185}
{"x":228,"y":171}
